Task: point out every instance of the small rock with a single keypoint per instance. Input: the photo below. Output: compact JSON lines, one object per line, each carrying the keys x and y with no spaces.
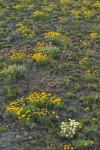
{"x":30,"y":137}
{"x":51,"y":85}
{"x":26,"y":133}
{"x":18,"y":137}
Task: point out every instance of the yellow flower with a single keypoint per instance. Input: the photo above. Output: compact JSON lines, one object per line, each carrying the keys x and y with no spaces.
{"x":92,"y":142}
{"x":28,"y":119}
{"x":18,"y":6}
{"x":23,"y":116}
{"x":86,"y":144}
{"x":54,"y":35}
{"x":56,"y":117}
{"x":38,"y":13}
{"x":64,"y":1}
{"x":89,"y":13}
{"x":87,"y":108}
{"x":80,"y":127}
{"x":94,"y":35}
{"x":40,"y":57}
{"x":53,"y":113}
{"x":96,"y":5}
{"x":18,"y":112}
{"x":71,"y":136}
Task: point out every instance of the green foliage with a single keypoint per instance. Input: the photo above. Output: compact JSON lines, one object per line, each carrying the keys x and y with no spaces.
{"x":14,"y":73}
{"x":71,"y":95}
{"x":83,"y":144}
{"x":91,"y":131}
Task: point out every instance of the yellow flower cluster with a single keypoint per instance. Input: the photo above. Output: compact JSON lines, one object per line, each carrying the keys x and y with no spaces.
{"x":54,"y":35}
{"x":64,"y":1}
{"x":40,"y":46}
{"x":44,"y":98}
{"x":89,"y":72}
{"x":25,"y":31}
{"x":96,"y":5}
{"x":19,"y":56}
{"x":14,"y":106}
{"x":40,"y":57}
{"x":45,"y":112}
{"x":94,"y":35}
{"x":38,"y":13}
{"x":88,"y":14}
{"x":34,"y":105}
{"x":85,"y":43}
{"x":83,"y":61}
{"x":75,"y":13}
{"x":18,"y":6}
{"x":66,"y":147}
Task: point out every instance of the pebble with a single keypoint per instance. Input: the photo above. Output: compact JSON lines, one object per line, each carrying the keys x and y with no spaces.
{"x":30,"y":137}
{"x":18,"y":137}
{"x":26,"y":133}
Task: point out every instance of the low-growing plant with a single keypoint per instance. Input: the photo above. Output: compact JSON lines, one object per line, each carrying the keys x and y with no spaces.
{"x":71,"y":95}
{"x":14,"y":73}
{"x":76,"y":86}
{"x":86,"y":121}
{"x":52,"y":51}
{"x":68,"y":147}
{"x":68,"y":129}
{"x":17,"y":56}
{"x":88,"y":14}
{"x":91,"y":76}
{"x":94,"y":37}
{"x":83,"y":144}
{"x":92,"y":86}
{"x":25,"y":31}
{"x":93,"y":97}
{"x":66,"y":81}
{"x":36,"y":107}
{"x":85,"y":63}
{"x":41,"y":59}
{"x":68,"y":66}
{"x":76,"y":14}
{"x":56,"y":37}
{"x":41,"y":15}
{"x":13,"y":92}
{"x":92,"y":131}
{"x":71,"y":109}
{"x":90,"y":53}
{"x":96,"y":5}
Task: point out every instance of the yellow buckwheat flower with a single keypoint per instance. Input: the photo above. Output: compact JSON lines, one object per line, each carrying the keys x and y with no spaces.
{"x":64,"y":1}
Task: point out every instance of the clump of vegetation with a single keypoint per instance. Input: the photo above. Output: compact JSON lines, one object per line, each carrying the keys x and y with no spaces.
{"x":83,"y":144}
{"x":36,"y":107}
{"x":68,"y":147}
{"x":41,"y":59}
{"x":18,"y":56}
{"x":14,"y":73}
{"x":52,"y":51}
{"x":68,"y":129}
{"x":25,"y":31}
